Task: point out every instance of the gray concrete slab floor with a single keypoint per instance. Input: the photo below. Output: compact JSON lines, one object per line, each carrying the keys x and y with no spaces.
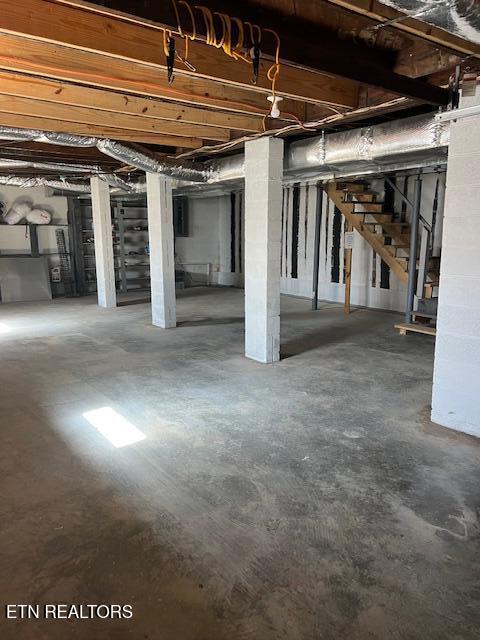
{"x":309,"y":499}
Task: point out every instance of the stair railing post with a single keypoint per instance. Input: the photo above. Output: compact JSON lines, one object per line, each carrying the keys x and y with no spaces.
{"x":412,"y":261}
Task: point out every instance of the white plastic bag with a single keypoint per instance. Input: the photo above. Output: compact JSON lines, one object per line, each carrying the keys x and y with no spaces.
{"x":17,"y":212}
{"x":38,"y":216}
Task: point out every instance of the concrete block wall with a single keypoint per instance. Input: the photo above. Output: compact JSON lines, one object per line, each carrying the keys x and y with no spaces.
{"x":366,"y":286}
{"x":455,"y":401}
{"x":209,"y":223}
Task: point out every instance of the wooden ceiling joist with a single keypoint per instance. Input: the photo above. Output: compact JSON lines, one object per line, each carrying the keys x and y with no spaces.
{"x":382,"y":13}
{"x":68,"y":113}
{"x":86,"y":30}
{"x":84,"y":129}
{"x":44,"y":59}
{"x":304,"y":45}
{"x":37,"y":152}
{"x":22,"y":86}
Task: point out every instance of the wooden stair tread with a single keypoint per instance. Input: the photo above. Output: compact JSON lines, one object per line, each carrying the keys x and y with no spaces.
{"x":405,"y":328}
{"x":375,"y":241}
{"x":353,"y":187}
{"x":369,"y":197}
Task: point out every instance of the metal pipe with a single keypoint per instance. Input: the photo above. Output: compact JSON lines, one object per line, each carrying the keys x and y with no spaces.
{"x":408,"y":202}
{"x":458,"y":114}
{"x":316,"y":246}
{"x":395,"y":187}
{"x":412,"y":262}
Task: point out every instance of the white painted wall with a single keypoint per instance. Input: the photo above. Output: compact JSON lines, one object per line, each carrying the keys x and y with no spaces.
{"x":15,"y":238}
{"x":455,"y":401}
{"x":12,"y":238}
{"x":209,"y":224}
{"x":211,"y":239}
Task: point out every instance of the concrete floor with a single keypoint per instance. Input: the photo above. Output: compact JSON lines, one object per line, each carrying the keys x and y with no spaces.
{"x":311,"y":499}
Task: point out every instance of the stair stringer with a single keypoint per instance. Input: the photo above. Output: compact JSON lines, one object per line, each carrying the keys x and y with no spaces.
{"x":346,"y":208}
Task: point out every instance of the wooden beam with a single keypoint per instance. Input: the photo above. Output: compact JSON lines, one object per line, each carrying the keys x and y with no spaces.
{"x":306,"y":45}
{"x":421,"y":59}
{"x":85,"y":29}
{"x":53,"y":61}
{"x":14,"y":84}
{"x":48,"y":124}
{"x":68,"y":113}
{"x":383,"y":13}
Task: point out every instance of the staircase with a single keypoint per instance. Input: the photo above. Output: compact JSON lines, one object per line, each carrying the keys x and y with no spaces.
{"x":390,"y":239}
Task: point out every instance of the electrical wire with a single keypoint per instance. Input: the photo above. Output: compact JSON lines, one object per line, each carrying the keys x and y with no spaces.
{"x":248,"y":108}
{"x":310,"y":126}
{"x":223,"y":40}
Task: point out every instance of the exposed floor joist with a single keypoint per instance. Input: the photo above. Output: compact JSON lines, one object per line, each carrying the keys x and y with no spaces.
{"x":44,"y":89}
{"x":303,"y":44}
{"x":69,"y":113}
{"x":382,"y":13}
{"x":48,"y":124}
{"x":44,"y":59}
{"x":86,"y":30}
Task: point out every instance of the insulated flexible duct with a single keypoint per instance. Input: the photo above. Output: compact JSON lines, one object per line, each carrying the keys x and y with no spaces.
{"x":378,"y":143}
{"x":58,"y":167}
{"x":24,"y":182}
{"x":384,"y":143}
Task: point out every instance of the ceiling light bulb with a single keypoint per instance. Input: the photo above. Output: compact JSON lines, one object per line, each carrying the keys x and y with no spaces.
{"x":274,"y":111}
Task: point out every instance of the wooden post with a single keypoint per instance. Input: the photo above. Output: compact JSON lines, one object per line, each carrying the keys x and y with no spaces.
{"x":348,"y":273}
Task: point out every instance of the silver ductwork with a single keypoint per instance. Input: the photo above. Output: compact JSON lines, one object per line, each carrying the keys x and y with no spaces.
{"x":47,"y":137}
{"x":380,"y":143}
{"x":142,"y":161}
{"x":24,"y":182}
{"x":367,"y":148}
{"x":56,"y":167}
{"x":185,"y":171}
{"x":397,"y":142}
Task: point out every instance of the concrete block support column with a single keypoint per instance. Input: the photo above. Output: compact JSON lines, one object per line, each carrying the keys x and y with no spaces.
{"x":263,"y":215}
{"x":162,"y":257}
{"x":102,"y":234}
{"x":456,"y":397}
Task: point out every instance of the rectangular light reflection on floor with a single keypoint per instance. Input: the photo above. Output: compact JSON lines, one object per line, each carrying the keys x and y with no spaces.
{"x":4,"y":328}
{"x":114,"y":427}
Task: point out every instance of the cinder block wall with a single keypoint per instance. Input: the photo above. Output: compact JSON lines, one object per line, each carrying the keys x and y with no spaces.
{"x":370,"y":287}
{"x":456,"y":396}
